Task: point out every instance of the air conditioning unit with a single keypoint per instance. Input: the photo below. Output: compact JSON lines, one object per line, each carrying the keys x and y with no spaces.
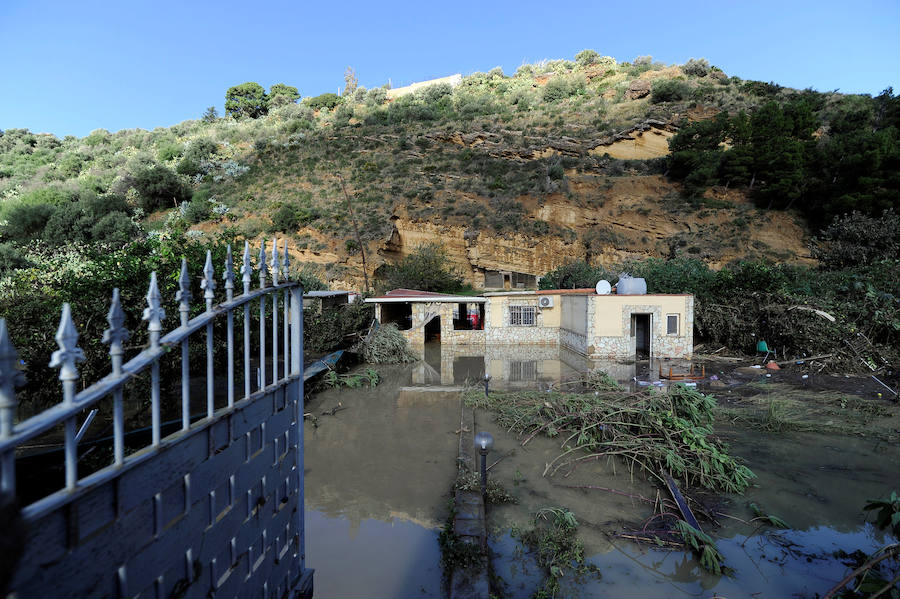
{"x":545,"y":302}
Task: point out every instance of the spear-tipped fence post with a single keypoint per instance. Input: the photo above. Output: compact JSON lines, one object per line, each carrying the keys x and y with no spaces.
{"x":65,"y":358}
{"x":115,"y":336}
{"x":263,"y":270}
{"x":10,"y":378}
{"x":246,"y":279}
{"x":228,"y":276}
{"x":285,"y":266}
{"x":183,"y":296}
{"x":154,"y":315}
{"x":209,"y":286}
{"x":276,"y":270}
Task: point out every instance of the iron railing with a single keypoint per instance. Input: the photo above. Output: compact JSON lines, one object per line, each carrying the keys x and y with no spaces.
{"x":285,"y":368}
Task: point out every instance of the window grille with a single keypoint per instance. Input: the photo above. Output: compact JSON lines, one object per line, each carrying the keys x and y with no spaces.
{"x":523,"y":371}
{"x":522,"y":316}
{"x":671,"y":324}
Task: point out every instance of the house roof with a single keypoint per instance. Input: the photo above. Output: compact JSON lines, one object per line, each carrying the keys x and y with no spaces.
{"x":326,"y":293}
{"x":414,"y":295}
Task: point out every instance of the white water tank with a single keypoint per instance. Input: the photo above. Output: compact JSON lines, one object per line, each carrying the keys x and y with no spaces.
{"x":629,"y":285}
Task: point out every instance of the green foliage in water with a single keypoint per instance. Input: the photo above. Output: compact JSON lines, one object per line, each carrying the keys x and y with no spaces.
{"x":887,"y":513}
{"x":352,"y":380}
{"x":557,"y":549}
{"x":386,"y":346}
{"x":702,"y":544}
{"x":649,"y":431}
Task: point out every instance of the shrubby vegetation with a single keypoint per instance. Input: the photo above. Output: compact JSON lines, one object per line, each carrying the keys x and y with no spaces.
{"x":425,"y":269}
{"x":824,"y":154}
{"x":478,"y":155}
{"x":751,"y":301}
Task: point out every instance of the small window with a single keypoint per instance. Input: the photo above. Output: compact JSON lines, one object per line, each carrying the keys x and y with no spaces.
{"x":523,"y":371}
{"x":522,"y":316}
{"x":671,"y":324}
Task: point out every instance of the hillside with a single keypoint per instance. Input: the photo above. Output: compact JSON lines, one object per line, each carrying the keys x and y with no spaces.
{"x":519,"y":174}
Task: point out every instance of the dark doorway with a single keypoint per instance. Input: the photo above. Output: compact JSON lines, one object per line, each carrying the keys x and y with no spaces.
{"x":640,"y":329}
{"x":433,"y":329}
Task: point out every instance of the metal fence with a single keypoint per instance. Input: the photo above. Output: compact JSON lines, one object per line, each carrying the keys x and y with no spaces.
{"x":213,"y":508}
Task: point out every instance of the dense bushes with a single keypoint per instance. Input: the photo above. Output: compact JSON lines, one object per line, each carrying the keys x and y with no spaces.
{"x":574,"y":275}
{"x":159,"y":187}
{"x":824,"y":156}
{"x":669,"y":90}
{"x":425,"y":269}
{"x":335,"y":328}
{"x":751,"y":301}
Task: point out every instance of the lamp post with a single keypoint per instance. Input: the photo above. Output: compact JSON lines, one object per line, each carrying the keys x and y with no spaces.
{"x":487,"y":380}
{"x":484,"y":442}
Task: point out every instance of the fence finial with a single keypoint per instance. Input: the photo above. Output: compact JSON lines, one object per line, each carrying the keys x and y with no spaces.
{"x":184,"y":295}
{"x":208,"y":284}
{"x":10,"y":377}
{"x":229,"y":274}
{"x":275,"y":263}
{"x":68,"y":353}
{"x":286,"y":263}
{"x":246,"y":268}
{"x":263,"y":269}
{"x":154,"y":312}
{"x":116,"y":334}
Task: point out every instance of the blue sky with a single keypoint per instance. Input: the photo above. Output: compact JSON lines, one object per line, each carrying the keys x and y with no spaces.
{"x":72,"y":67}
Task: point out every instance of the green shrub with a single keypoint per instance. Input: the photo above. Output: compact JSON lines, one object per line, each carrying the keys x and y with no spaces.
{"x":696,"y":67}
{"x":197,"y":210}
{"x":25,"y":222}
{"x":169,"y":151}
{"x":11,"y":258}
{"x":426,"y":269}
{"x":116,"y":228}
{"x":158,"y":187}
{"x":285,"y":219}
{"x":586,"y":57}
{"x":669,"y":90}
{"x":574,"y":275}
{"x":327,"y":101}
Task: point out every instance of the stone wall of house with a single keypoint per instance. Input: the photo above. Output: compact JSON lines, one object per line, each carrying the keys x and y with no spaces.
{"x":612,"y":347}
{"x":503,"y":332}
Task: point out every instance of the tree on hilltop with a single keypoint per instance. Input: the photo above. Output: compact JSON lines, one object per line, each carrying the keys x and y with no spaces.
{"x":281,"y":95}
{"x":211,"y":115}
{"x":247,"y":99}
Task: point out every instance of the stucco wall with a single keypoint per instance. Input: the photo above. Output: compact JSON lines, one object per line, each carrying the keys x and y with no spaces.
{"x":611,"y":336}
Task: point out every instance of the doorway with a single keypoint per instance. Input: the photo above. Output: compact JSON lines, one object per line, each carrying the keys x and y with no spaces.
{"x":640,"y":330}
{"x":433,"y":329}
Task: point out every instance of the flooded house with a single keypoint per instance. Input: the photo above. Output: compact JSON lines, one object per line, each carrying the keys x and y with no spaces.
{"x":602,"y":326}
{"x":427,"y":316}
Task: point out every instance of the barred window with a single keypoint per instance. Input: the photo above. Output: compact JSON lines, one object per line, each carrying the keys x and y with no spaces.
{"x":521,"y":316}
{"x":523,"y":371}
{"x":671,"y":324}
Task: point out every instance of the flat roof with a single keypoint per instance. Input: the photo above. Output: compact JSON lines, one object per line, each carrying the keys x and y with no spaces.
{"x":578,"y":292}
{"x":414,"y":295}
{"x":326,"y":293}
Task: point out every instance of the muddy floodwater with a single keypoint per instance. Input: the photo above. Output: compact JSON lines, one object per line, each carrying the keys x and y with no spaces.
{"x":380,"y":469}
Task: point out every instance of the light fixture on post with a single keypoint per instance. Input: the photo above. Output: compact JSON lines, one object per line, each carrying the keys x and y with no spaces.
{"x":487,"y":380}
{"x":484,"y":442}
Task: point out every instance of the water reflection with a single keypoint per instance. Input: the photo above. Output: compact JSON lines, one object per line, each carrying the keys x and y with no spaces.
{"x":524,"y":367}
{"x":378,"y":476}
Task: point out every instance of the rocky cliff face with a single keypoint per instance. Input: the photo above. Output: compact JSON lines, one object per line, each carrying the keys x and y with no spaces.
{"x":614,"y":219}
